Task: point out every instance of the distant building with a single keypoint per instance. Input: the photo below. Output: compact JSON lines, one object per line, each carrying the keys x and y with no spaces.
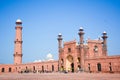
{"x":73,"y":56}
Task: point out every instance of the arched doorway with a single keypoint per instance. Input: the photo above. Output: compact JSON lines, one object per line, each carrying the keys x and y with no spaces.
{"x":10,"y":69}
{"x":72,"y":67}
{"x":42,"y":68}
{"x":34,"y":71}
{"x":52,"y":67}
{"x":33,"y":68}
{"x":99,"y":66}
{"x":69,"y":63}
{"x":110,"y":67}
{"x":3,"y":70}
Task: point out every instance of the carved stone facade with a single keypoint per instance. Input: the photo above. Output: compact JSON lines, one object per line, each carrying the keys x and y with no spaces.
{"x":73,"y":57}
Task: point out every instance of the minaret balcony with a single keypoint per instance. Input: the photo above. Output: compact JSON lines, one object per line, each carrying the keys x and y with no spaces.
{"x":18,"y":42}
{"x":18,"y":27}
{"x":16,"y":54}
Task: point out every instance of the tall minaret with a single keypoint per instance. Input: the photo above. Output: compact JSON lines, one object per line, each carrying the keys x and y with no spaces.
{"x":81,"y":35}
{"x":59,"y":49}
{"x":18,"y":43}
{"x":104,"y":43}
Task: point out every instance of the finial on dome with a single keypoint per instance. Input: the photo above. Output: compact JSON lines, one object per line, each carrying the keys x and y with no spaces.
{"x":18,"y":21}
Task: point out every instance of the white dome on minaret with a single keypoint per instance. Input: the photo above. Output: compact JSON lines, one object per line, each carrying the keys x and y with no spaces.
{"x":81,"y":27}
{"x":59,"y":34}
{"x":104,"y":32}
{"x":18,"y":20}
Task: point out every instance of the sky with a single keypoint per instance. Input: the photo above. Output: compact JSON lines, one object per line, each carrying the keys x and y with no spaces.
{"x":44,"y":19}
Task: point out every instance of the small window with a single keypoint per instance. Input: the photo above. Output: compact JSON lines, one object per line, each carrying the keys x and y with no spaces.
{"x":95,"y":48}
{"x":89,"y":66}
{"x":62,"y":61}
{"x":3,"y":70}
{"x":42,"y":68}
{"x":69,"y":50}
{"x":78,"y":60}
{"x":110,"y":67}
{"x":99,"y":66}
{"x":52,"y":67}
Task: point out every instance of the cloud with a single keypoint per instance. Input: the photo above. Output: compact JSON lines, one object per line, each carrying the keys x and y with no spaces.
{"x":49,"y":57}
{"x":37,"y":60}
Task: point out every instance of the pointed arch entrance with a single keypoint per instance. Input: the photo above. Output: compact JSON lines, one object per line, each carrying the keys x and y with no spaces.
{"x":69,"y":63}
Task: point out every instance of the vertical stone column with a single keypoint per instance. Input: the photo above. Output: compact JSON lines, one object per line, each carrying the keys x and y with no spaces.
{"x":59,"y":49}
{"x":18,"y":43}
{"x":104,"y":43}
{"x":81,"y":35}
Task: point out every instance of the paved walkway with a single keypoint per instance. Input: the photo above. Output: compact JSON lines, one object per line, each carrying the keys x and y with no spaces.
{"x":60,"y":76}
